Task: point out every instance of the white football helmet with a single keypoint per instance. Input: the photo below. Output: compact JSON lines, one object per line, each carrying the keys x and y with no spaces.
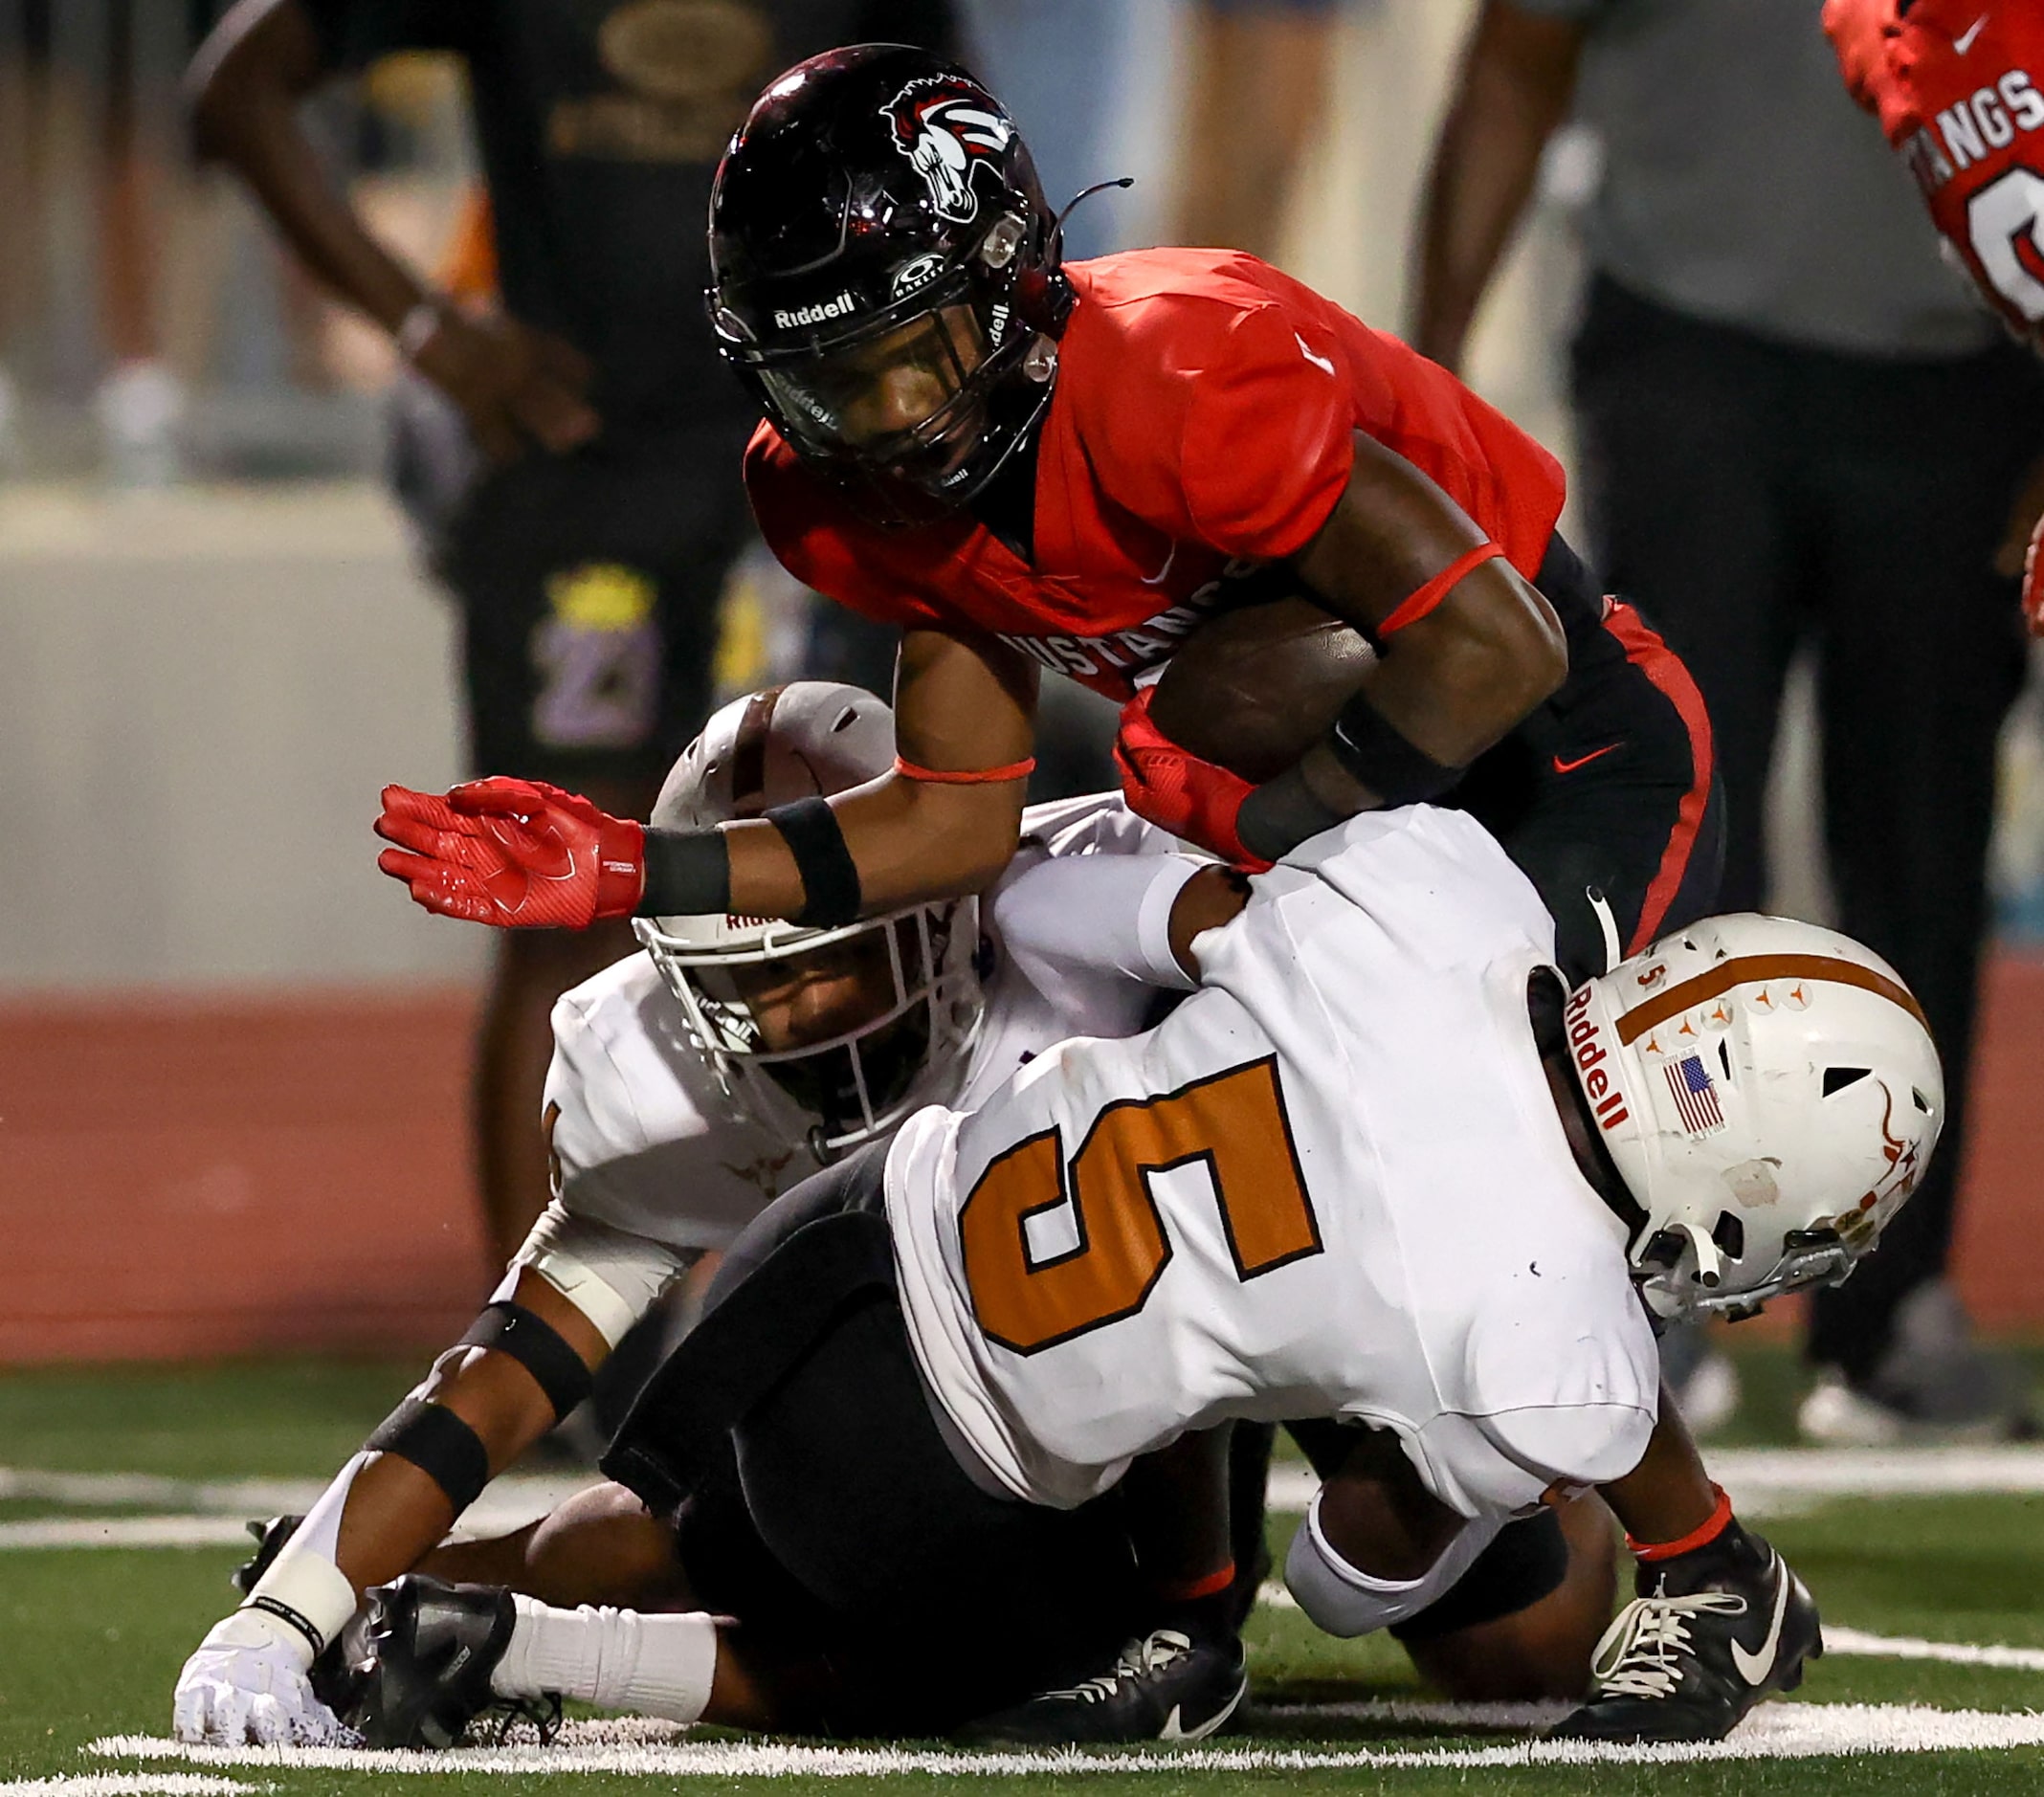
{"x":813,"y":738}
{"x":1769,"y":1093}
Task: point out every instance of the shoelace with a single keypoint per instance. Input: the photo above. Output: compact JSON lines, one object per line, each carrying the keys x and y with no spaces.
{"x":1153,"y":1653}
{"x":1641,"y":1654}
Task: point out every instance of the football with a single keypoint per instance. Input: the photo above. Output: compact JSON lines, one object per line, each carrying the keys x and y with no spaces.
{"x":1253,"y":689}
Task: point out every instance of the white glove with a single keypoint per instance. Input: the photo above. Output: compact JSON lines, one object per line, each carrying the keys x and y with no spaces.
{"x":251,"y":1681}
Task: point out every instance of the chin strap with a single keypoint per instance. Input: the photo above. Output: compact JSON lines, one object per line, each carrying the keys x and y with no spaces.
{"x":1710,"y":1263}
{"x":1613,"y":949}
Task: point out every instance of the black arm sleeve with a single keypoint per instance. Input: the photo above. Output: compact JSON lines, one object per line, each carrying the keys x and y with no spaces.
{"x":688,"y":873}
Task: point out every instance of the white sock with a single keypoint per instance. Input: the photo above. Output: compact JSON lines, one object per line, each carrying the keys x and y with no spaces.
{"x":620,"y":1659}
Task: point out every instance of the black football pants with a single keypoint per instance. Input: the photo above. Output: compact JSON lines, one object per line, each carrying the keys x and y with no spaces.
{"x":813,"y":1496}
{"x":1757,"y":498}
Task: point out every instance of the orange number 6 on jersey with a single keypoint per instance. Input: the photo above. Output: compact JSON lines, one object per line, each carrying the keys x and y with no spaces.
{"x":1233,"y":1121}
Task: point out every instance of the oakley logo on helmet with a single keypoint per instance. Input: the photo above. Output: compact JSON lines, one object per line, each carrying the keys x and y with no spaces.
{"x":947,"y":128}
{"x":919,"y":273}
{"x":820,"y":313}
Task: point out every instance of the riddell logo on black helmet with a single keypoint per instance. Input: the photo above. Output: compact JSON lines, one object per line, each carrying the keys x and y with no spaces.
{"x":1585,"y":1043}
{"x":948,"y":129}
{"x":818,"y":314}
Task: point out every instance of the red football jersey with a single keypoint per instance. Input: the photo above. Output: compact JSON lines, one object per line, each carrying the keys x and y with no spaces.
{"x":1202,"y":414}
{"x":1959,"y":86}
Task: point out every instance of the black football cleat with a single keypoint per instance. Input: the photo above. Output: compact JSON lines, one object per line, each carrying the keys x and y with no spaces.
{"x":268,"y":1538}
{"x":1162,"y":1687}
{"x":1712,"y":1632}
{"x":423,"y":1658}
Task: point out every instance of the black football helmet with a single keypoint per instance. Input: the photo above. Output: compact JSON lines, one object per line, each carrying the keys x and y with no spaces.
{"x":885,"y":275}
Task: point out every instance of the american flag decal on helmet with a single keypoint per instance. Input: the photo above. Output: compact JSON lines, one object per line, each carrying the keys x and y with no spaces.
{"x":1695,"y":1097}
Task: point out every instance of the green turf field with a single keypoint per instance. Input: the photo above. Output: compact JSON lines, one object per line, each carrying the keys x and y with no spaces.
{"x":94,"y":1636}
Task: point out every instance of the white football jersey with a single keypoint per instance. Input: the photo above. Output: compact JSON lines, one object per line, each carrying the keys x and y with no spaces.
{"x":644,"y":1139}
{"x":1332,"y":1182}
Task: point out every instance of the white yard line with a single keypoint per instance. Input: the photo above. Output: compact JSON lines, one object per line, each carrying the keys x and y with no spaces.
{"x":1763,"y":1479}
{"x":123,"y":1532}
{"x":1909,"y":1647}
{"x":1786,"y":1731}
{"x":211,"y":1512}
{"x":1753,"y":1475}
{"x":196,"y":1513}
{"x":121,"y":1783}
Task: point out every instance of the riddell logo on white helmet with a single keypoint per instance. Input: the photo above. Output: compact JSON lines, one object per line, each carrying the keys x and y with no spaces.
{"x":819,"y":314}
{"x":1586,"y":1044}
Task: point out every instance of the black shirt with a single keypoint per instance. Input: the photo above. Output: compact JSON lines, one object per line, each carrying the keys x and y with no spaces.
{"x":601,"y":123}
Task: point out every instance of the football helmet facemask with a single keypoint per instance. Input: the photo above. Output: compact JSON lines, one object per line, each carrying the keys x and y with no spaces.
{"x":832,"y":1036}
{"x":1769,"y":1094}
{"x":885,"y":277}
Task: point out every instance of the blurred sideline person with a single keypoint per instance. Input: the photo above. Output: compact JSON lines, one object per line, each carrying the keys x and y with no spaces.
{"x":693,"y":1083}
{"x":99,"y":80}
{"x":588,"y":553}
{"x":1382,"y":1165}
{"x":1257,"y":92}
{"x":1959,"y":104}
{"x":1797,"y":430}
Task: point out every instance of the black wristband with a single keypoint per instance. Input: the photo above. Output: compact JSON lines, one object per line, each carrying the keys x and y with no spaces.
{"x":538,"y":1347}
{"x":1387,"y":761}
{"x":830,"y":891}
{"x":440,"y":1443}
{"x":1281,"y":813}
{"x":285,"y":1613}
{"x":688,"y":873}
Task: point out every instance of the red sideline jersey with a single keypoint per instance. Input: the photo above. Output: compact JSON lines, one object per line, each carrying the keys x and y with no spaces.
{"x":1202,"y":414}
{"x":1959,"y":88}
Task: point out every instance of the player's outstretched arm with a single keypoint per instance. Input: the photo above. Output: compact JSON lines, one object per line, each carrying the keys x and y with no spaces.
{"x":521,"y":855}
{"x":527,"y":1361}
{"x":1470,"y":647}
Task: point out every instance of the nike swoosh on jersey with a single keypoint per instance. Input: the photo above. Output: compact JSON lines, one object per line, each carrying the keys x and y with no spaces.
{"x":1963,"y":42}
{"x":1319,"y":361}
{"x":1583,"y":761}
{"x":1754,"y":1667}
{"x":1157,"y":578}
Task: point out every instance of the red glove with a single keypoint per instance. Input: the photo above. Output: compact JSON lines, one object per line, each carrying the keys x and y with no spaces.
{"x":513,"y":853}
{"x":1196,"y":800}
{"x":1959,"y":86}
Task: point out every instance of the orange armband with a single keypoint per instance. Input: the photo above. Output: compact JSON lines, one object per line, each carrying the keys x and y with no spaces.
{"x":966,"y":776}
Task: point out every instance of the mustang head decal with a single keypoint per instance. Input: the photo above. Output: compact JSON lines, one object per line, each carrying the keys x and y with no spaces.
{"x":948,"y":129}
